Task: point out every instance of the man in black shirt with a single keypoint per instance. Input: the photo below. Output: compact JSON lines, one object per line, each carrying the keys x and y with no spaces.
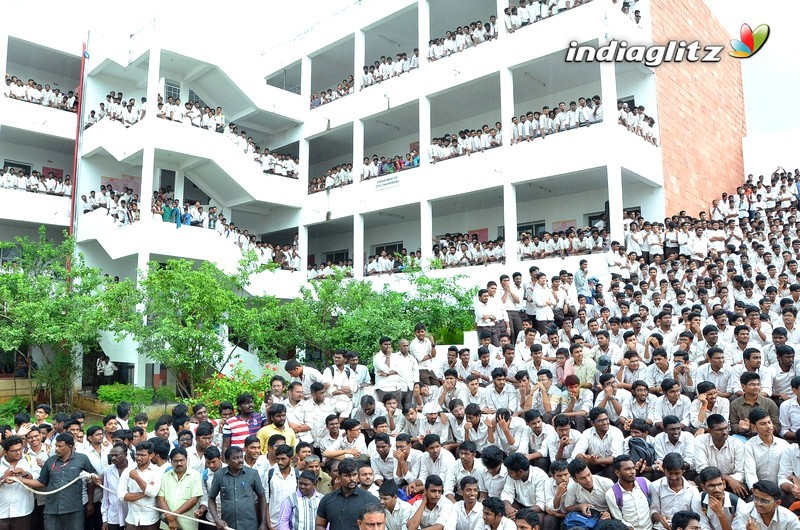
{"x":341,"y":507}
{"x":64,"y":510}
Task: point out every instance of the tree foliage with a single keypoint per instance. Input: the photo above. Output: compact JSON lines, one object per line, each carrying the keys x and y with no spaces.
{"x":346,"y":313}
{"x":52,"y":300}
{"x":190,"y":317}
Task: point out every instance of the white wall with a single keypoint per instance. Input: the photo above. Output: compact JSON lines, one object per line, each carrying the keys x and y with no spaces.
{"x":25,"y":72}
{"x":398,"y":146}
{"x":36,"y":157}
{"x":260,"y":223}
{"x":9,"y":233}
{"x":98,"y":87}
{"x":94,"y":167}
{"x":640,"y":85}
{"x":96,"y":257}
{"x":469,"y":122}
{"x":531,"y":99}
{"x":319,"y":169}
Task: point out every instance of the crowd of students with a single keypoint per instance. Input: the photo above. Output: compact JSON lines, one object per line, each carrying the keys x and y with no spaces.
{"x":465,"y":142}
{"x":384,"y":69}
{"x":116,"y":110}
{"x":12,"y":178}
{"x":336,"y":177}
{"x":33,"y":92}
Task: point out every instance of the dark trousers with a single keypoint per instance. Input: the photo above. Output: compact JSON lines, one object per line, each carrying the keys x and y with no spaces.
{"x":427,"y":377}
{"x":551,"y":522}
{"x":37,"y":517}
{"x":498,"y":329}
{"x":515,"y":320}
{"x":16,"y":523}
{"x":64,"y":521}
{"x":542,"y":463}
{"x":541,"y":326}
{"x":94,"y":521}
{"x":403,"y":398}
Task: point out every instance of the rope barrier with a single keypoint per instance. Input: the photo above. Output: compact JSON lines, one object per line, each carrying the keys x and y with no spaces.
{"x":90,"y":476}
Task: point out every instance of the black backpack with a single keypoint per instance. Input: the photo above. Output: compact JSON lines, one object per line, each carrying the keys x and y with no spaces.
{"x":641,"y":450}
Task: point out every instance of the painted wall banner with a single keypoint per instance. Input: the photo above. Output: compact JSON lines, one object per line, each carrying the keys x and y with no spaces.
{"x":56,"y":171}
{"x":560,"y":226}
{"x":123,"y":181}
{"x":388,"y":181}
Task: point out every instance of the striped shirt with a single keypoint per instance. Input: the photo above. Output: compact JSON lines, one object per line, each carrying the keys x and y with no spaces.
{"x":238,"y":429}
{"x":298,"y":512}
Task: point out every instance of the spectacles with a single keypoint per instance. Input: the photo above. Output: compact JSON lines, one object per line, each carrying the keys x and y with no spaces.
{"x":762,"y":500}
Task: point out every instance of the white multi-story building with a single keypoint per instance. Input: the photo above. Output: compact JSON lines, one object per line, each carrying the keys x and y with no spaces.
{"x":568,"y":179}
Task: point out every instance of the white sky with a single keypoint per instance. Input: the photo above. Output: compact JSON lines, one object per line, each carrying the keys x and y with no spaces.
{"x":771,"y":78}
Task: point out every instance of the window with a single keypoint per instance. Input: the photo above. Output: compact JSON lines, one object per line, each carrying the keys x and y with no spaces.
{"x":337,"y":255}
{"x":630,"y":101}
{"x":172,"y":89}
{"x":194,"y":97}
{"x":390,"y":248}
{"x":636,"y":209}
{"x":9,"y":254}
{"x":24,"y":166}
{"x":532,"y":227}
{"x":594,"y":218}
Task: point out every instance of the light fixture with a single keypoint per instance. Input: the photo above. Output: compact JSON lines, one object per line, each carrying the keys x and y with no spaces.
{"x":395,"y":127}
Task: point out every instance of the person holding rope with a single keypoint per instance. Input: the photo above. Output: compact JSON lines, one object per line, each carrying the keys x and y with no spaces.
{"x":16,"y":503}
{"x":61,"y":475}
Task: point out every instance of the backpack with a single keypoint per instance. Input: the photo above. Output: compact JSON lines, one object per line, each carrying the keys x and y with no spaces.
{"x":731,"y":510}
{"x":639,"y":449}
{"x":346,"y":371}
{"x":617,"y":489}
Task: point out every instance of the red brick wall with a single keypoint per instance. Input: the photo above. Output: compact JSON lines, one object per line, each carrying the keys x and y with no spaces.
{"x":700,"y":110}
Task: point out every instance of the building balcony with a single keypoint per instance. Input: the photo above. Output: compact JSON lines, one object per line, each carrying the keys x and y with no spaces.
{"x":568,"y":152}
{"x":38,"y":119}
{"x":34,"y":208}
{"x":164,"y":240}
{"x":587,"y":24}
{"x":212,"y":162}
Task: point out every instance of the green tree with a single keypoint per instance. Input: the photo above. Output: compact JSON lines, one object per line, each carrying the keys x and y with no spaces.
{"x":189,"y":311}
{"x":344,"y":313}
{"x":52,"y":300}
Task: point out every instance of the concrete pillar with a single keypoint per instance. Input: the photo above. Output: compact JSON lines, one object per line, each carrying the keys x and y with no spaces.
{"x":424,"y":130}
{"x":148,"y":182}
{"x":180,"y":181}
{"x":305,"y":77}
{"x":510,"y":221}
{"x":424,"y":28}
{"x":501,"y":28}
{"x":358,"y":149}
{"x":358,"y":245}
{"x":304,"y":165}
{"x":506,"y":103}
{"x":184,"y":87}
{"x":608,"y":92}
{"x":155,"y":83}
{"x":615,"y":213}
{"x":426,"y":229}
{"x":302,"y":244}
{"x":4,"y":53}
{"x":359,"y":54}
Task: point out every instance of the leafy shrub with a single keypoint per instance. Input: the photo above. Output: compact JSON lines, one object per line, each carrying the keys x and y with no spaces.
{"x":220,"y":387}
{"x":139,"y":398}
{"x":11,"y":408}
{"x":165,"y":394}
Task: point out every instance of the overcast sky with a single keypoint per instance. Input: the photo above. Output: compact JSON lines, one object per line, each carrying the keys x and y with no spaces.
{"x":771,"y":78}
